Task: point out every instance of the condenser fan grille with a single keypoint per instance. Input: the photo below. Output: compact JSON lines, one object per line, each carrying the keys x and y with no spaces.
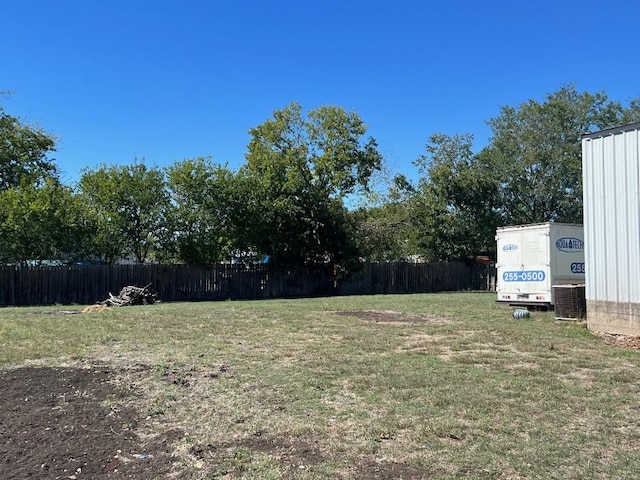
{"x":569,"y":302}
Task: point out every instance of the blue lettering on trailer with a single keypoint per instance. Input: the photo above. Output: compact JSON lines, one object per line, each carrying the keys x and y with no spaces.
{"x":577,"y":267}
{"x":524,"y":276}
{"x":570,"y":245}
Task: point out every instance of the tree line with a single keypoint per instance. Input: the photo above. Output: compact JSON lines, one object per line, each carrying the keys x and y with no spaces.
{"x":292,"y":201}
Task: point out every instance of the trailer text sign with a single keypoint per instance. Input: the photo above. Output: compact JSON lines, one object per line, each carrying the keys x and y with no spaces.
{"x":524,"y":276}
{"x":570,"y":245}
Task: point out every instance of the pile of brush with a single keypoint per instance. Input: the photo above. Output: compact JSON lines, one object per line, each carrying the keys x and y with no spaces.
{"x":130,"y":296}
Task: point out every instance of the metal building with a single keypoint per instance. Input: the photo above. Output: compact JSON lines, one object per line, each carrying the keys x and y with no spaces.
{"x":611,"y":186}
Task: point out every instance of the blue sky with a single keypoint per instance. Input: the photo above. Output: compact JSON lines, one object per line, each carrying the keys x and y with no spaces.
{"x":169,"y":80}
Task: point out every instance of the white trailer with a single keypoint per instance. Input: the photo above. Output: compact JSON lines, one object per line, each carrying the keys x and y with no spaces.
{"x":533,"y":258}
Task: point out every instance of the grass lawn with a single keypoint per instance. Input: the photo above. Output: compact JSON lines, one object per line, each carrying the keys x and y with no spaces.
{"x":413,"y":386}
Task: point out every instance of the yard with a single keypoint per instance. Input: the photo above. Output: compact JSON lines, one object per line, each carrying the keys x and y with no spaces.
{"x":387,"y":387}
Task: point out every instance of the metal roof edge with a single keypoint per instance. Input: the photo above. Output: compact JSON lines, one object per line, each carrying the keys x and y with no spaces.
{"x":540,"y":224}
{"x":612,"y":130}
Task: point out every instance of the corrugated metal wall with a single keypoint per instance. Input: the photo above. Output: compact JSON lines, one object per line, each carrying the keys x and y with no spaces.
{"x":611,"y":177}
{"x":612,"y":214}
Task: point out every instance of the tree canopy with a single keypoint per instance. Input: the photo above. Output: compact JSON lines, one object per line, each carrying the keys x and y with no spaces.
{"x":454,"y":207}
{"x":536,"y":150}
{"x":202,"y":211}
{"x":23,"y":153}
{"x":39,"y":223}
{"x":292,"y":199}
{"x":127,"y":205}
{"x":38,"y":218}
{"x":531,"y":171}
{"x":298,"y":171}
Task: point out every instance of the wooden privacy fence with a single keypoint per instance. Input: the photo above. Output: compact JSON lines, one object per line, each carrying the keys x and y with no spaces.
{"x":87,"y":284}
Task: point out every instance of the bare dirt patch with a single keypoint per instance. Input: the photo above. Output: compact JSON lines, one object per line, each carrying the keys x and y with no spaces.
{"x":70,"y":423}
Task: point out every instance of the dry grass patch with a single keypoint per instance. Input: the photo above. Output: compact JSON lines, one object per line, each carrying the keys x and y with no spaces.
{"x":422,"y":343}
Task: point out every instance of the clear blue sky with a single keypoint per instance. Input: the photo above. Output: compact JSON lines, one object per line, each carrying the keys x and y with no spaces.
{"x":169,"y":80}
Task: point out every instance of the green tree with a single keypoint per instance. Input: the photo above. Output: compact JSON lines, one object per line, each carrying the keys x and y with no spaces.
{"x":536,"y":150}
{"x":386,"y":230}
{"x":202,"y":197}
{"x":454,"y":206}
{"x":127,"y":205}
{"x":23,"y":153}
{"x":38,"y":216}
{"x":39,"y":222}
{"x":297,"y":174}
{"x":631,"y":114}
{"x":531,"y":171}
